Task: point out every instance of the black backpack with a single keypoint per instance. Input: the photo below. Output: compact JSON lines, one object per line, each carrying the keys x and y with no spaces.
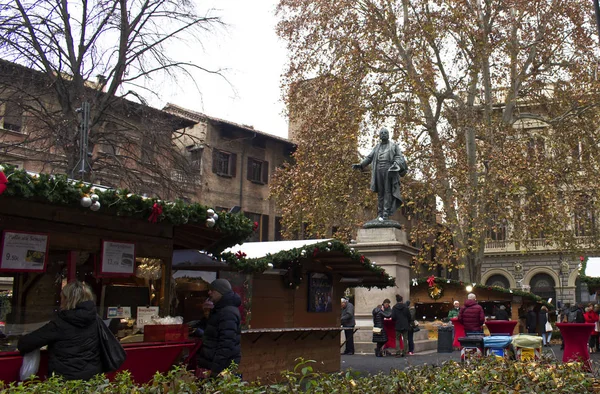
{"x":572,"y":316}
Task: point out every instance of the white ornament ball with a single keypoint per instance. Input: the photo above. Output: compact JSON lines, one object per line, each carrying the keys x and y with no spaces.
{"x":210,"y":212}
{"x":303,"y":253}
{"x":270,"y":265}
{"x":95,"y":206}
{"x":210,"y":222}
{"x":215,"y":216}
{"x":86,"y":201}
{"x":94,"y":197}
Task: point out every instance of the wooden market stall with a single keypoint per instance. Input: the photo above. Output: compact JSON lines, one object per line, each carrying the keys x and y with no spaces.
{"x":291,"y":294}
{"x":123,"y":251}
{"x":434,"y":299}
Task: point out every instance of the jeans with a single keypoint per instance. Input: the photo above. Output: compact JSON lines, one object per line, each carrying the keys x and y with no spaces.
{"x":349,"y":333}
{"x":546,"y":337}
{"x":404,"y":336}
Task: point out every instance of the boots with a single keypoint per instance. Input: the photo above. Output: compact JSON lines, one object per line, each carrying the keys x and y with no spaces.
{"x":378,"y":353}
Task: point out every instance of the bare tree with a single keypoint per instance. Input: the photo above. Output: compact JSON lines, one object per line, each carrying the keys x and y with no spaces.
{"x":119,"y":45}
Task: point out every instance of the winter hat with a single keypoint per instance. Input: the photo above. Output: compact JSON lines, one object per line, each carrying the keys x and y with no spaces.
{"x":221,"y":285}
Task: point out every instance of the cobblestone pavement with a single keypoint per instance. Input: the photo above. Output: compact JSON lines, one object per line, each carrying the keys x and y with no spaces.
{"x":369,"y":364}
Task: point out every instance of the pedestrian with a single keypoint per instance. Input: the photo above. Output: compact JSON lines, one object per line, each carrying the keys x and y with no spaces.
{"x":591,"y":316}
{"x":471,"y":316}
{"x":401,"y":318}
{"x":348,"y":324}
{"x":454,"y":311}
{"x":544,"y":326}
{"x":411,"y":328}
{"x":72,"y":336}
{"x":379,"y":334}
{"x":531,"y":320}
{"x":501,"y":313}
{"x":597,"y":329}
{"x":575,"y":314}
{"x":221,"y":341}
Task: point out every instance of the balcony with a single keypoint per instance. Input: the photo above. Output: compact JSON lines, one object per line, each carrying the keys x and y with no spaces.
{"x":534,"y":244}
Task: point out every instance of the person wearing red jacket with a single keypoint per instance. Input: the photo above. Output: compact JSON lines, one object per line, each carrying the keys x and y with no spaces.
{"x":592,"y":317}
{"x":471,"y":316}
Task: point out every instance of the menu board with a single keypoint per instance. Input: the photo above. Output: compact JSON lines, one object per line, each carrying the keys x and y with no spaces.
{"x":24,"y":252}
{"x":118,"y":259}
{"x":145,"y":315}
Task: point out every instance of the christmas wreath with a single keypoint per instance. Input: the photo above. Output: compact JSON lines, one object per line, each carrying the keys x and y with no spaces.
{"x":435,"y":292}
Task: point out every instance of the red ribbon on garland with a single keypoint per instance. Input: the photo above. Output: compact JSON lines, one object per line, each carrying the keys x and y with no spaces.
{"x":431,"y":281}
{"x":156,"y":212}
{"x":3,"y":182}
{"x":255,"y":226}
{"x":240,"y":255}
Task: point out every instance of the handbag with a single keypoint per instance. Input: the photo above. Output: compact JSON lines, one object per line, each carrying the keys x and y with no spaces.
{"x":112,"y":353}
{"x":416,"y":328}
{"x":548,"y":327}
{"x":376,"y":330}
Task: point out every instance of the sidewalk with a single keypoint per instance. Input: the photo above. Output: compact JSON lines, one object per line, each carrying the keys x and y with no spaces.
{"x":369,"y":364}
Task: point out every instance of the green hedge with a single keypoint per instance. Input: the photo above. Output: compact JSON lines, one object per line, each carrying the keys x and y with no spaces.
{"x":488,"y":375}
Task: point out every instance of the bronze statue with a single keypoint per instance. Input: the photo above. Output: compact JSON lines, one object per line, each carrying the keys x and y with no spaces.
{"x":388,"y":166}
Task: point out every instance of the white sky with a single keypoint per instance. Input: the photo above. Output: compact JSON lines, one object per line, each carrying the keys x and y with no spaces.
{"x":254,"y":58}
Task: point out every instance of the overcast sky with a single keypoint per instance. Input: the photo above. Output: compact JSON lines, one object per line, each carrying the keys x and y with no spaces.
{"x":254,"y":58}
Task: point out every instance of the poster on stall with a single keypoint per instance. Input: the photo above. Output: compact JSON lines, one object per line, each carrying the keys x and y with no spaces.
{"x":117,"y":259}
{"x":145,"y":315}
{"x":24,"y":252}
{"x":119,"y":312}
{"x":320,"y":292}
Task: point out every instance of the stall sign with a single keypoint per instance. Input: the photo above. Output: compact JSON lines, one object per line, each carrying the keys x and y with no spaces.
{"x":118,"y":259}
{"x":145,"y":315}
{"x":118,"y":312}
{"x":24,"y":251}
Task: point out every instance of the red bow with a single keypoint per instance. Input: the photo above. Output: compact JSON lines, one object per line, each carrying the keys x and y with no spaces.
{"x":156,"y":212}
{"x":255,"y":226}
{"x":431,"y":281}
{"x":240,"y":255}
{"x":3,"y":182}
{"x":362,"y":259}
{"x":315,"y":251}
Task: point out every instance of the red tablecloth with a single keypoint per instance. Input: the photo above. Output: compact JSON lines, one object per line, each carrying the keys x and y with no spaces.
{"x":143,"y":360}
{"x":459,"y":332}
{"x":575,"y":337}
{"x":501,"y":326}
{"x":390,"y":330}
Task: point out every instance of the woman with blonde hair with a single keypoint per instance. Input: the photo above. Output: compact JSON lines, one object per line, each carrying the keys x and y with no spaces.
{"x":72,"y":336}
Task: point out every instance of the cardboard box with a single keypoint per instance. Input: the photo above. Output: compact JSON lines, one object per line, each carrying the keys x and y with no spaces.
{"x":165,"y":332}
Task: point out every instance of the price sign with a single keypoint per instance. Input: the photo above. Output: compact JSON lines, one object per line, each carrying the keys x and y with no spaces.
{"x":118,"y":259}
{"x":145,"y":315}
{"x":23,"y":252}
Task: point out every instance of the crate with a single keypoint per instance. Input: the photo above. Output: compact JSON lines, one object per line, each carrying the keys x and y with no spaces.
{"x":165,"y":332}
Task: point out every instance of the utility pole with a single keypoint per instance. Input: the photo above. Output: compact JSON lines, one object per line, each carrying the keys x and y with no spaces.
{"x":83,"y":166}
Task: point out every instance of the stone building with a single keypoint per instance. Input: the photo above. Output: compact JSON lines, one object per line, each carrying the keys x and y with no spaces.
{"x":234,"y":163}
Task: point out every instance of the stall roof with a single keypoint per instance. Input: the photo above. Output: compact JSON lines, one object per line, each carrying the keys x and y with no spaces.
{"x":336,"y":256}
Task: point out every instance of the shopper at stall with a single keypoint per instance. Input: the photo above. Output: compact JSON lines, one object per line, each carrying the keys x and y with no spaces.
{"x":544,"y":326}
{"x":501,"y":313}
{"x":221,"y":340}
{"x":454,"y":311}
{"x":471,"y":316}
{"x":379,"y":334}
{"x":71,"y":337}
{"x":348,"y":323}
{"x":401,"y":318}
{"x":531,"y":320}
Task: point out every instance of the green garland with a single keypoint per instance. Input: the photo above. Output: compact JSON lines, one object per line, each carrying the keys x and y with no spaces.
{"x":290,"y":259}
{"x":521,"y":293}
{"x":60,"y":190}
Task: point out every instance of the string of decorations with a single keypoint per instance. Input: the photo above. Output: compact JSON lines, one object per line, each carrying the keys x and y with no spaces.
{"x":434,"y":281}
{"x":60,"y":190}
{"x":291,"y":260}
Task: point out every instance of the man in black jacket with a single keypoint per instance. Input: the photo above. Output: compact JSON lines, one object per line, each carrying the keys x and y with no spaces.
{"x":402,"y":320}
{"x":221,"y":341}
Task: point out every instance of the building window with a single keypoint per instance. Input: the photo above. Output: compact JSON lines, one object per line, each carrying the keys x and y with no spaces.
{"x":543,"y":285}
{"x":224,"y":163}
{"x":498,"y":280}
{"x":12,"y":118}
{"x":584,"y":219}
{"x":262,"y":232}
{"x":258,"y":171}
{"x":498,"y":231}
{"x":278,"y":229}
{"x":196,"y":158}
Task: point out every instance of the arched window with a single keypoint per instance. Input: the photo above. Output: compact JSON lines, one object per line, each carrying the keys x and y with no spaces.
{"x":498,"y":280}
{"x":543,"y":285}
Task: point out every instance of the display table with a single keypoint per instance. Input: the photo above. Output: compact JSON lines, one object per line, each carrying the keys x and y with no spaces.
{"x":459,"y":332}
{"x":501,"y":326}
{"x":143,"y":360}
{"x":575,"y":337}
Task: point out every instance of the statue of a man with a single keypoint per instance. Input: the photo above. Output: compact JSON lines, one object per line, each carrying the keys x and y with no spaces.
{"x":388,"y":166}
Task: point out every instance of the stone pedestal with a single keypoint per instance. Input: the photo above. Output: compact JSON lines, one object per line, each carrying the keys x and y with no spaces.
{"x":389,"y":248}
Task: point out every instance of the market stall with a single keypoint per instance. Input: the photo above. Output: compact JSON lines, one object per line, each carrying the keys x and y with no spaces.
{"x":55,"y":230}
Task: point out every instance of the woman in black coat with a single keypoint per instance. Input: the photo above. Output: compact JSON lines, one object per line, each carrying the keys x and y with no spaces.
{"x":531,"y":321}
{"x":379,"y":334}
{"x":72,"y":336}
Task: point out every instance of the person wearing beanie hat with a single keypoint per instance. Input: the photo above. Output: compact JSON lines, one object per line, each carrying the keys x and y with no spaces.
{"x":221,"y":341}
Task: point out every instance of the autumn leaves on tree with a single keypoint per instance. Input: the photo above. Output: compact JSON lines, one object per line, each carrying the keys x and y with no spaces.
{"x":493,"y":101}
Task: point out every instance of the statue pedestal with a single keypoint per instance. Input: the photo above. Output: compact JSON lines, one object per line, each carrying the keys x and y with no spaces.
{"x":389,"y":248}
